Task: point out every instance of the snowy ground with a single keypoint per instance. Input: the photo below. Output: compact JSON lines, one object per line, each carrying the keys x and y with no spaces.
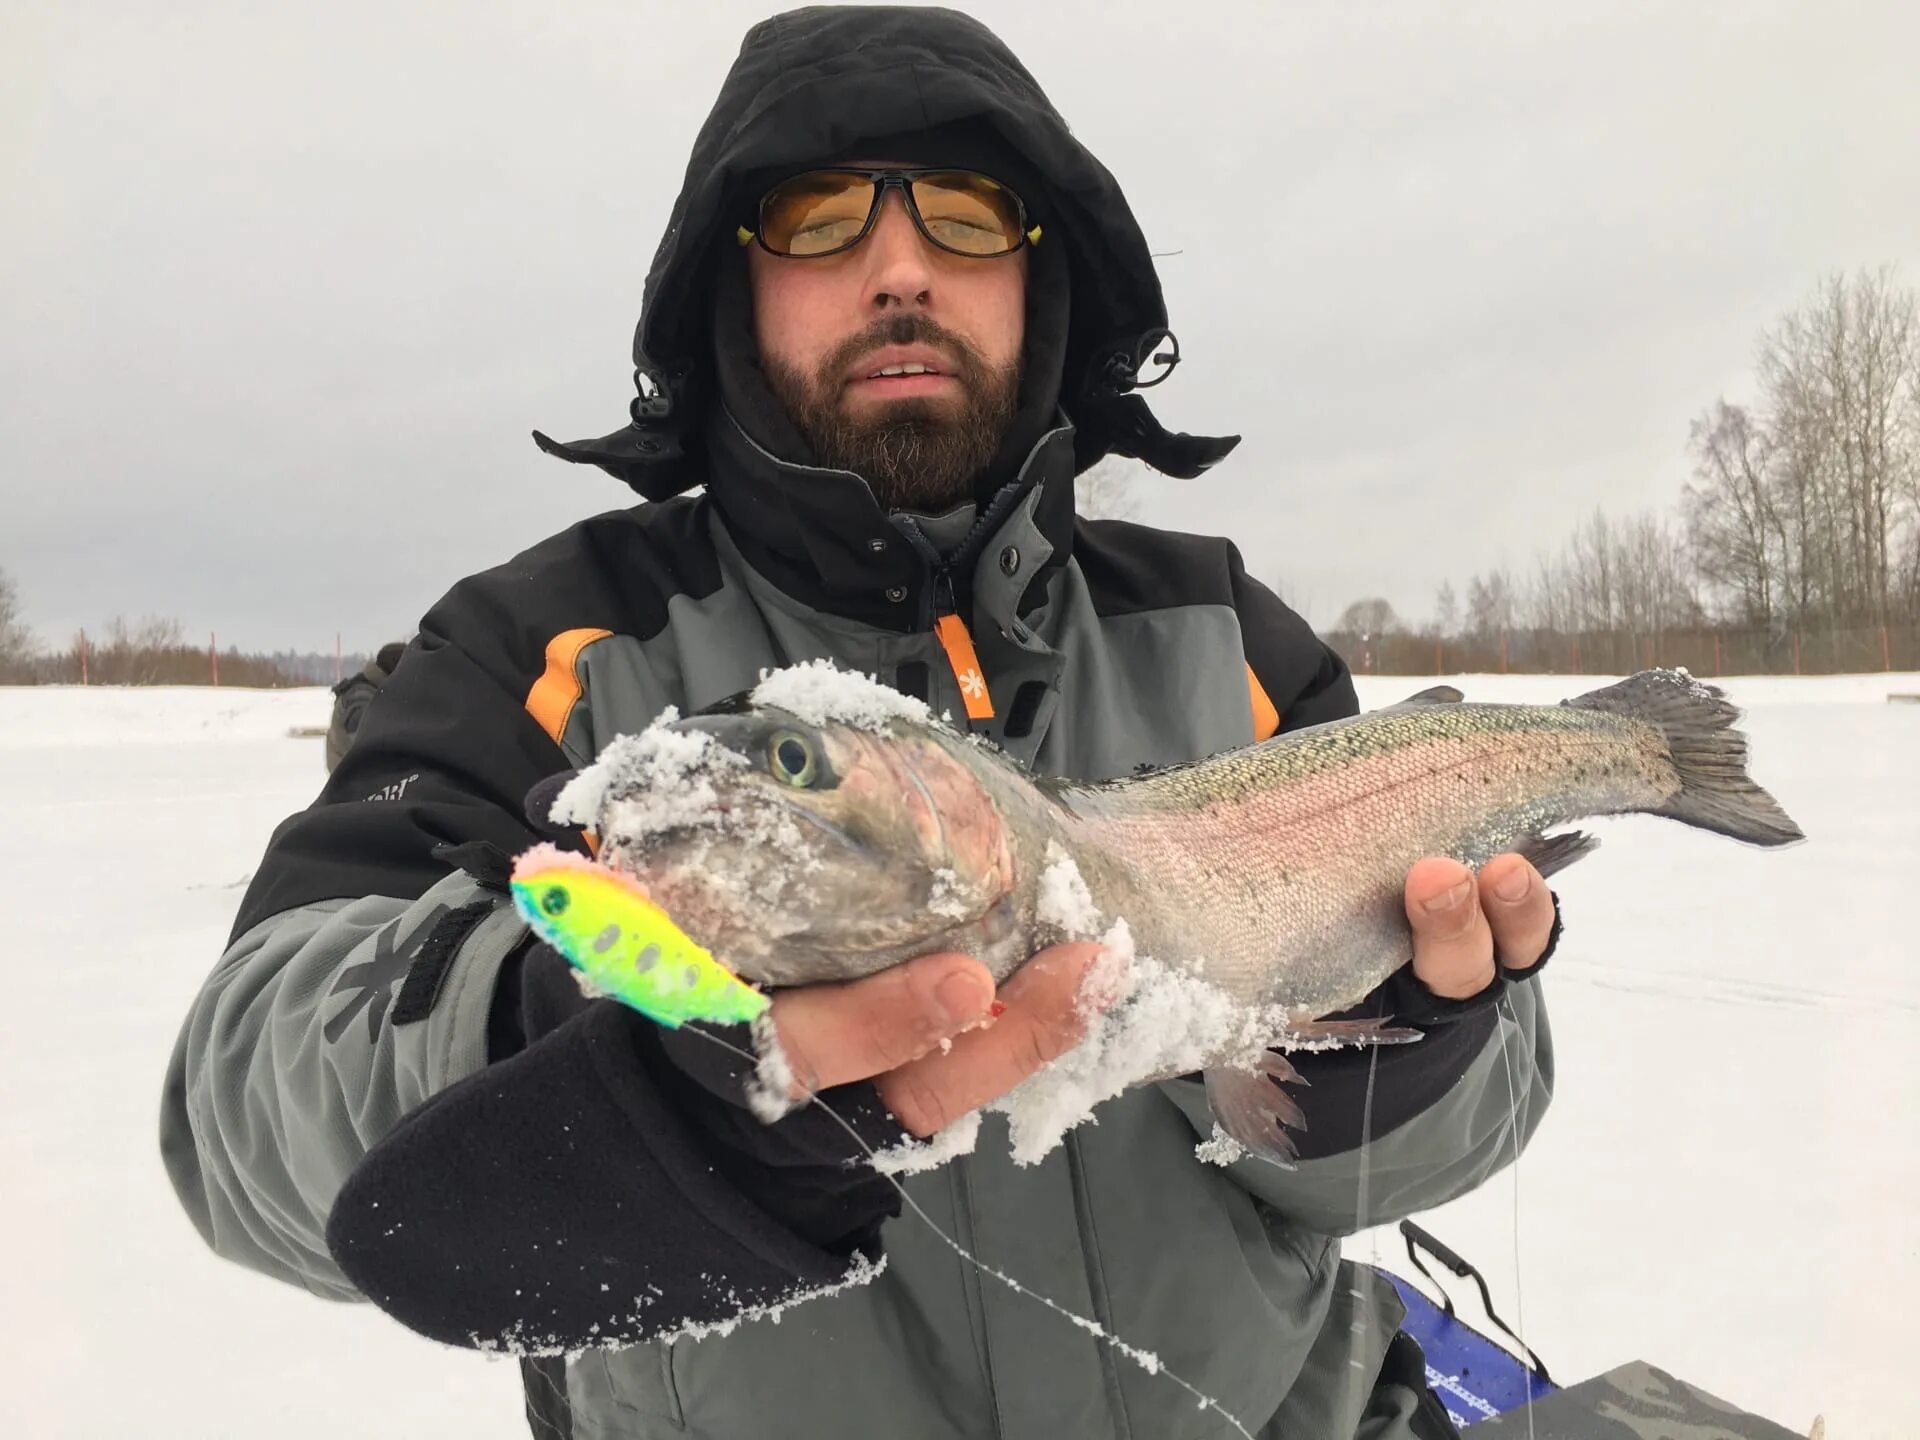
{"x":1724,"y":1186}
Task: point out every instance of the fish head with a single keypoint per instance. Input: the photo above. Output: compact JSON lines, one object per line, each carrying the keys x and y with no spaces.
{"x":824,"y":850}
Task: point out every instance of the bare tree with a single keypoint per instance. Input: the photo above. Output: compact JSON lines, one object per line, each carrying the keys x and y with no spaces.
{"x":17,"y":645}
{"x":1732,"y":514}
{"x":1109,"y":489}
{"x":1446,"y":611}
{"x":1839,"y":376}
{"x":1368,"y":618}
{"x":1490,"y":605}
{"x":1593,"y":574}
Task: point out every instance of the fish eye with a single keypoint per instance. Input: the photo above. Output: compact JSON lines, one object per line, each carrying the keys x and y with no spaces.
{"x":792,"y":759}
{"x":554,"y":901}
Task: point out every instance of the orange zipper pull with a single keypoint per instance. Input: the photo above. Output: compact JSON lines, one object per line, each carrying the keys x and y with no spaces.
{"x":957,"y":641}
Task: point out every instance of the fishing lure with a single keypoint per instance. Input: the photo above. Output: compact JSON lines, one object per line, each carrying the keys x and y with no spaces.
{"x":604,"y":925}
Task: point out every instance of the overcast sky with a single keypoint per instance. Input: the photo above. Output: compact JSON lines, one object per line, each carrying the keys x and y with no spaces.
{"x":284,"y":287}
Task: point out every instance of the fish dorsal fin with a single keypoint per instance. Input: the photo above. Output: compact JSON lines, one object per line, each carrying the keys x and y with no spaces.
{"x":1435,"y":695}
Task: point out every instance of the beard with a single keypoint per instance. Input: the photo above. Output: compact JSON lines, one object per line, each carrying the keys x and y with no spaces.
{"x":917,"y":453}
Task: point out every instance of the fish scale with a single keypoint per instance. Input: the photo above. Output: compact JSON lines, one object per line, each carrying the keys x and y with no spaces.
{"x":1238,"y":850}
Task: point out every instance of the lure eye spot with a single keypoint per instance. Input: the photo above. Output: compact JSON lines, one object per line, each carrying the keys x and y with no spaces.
{"x":554,"y":900}
{"x":792,"y":760}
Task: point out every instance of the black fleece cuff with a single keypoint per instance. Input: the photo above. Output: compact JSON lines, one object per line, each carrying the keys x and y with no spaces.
{"x":805,"y":1169}
{"x":1405,"y":1079}
{"x":558,"y":1199}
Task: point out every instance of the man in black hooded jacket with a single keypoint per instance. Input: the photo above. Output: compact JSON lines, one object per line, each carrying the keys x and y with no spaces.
{"x":385,"y":1090}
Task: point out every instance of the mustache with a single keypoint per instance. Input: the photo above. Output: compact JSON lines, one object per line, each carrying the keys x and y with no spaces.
{"x":969,"y":365}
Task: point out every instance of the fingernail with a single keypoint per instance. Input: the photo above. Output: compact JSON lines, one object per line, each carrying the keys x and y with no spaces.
{"x":1448,"y":899}
{"x":1514,"y":885}
{"x":962,"y":995}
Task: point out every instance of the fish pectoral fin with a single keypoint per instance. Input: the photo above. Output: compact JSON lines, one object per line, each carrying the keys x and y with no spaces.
{"x":1251,"y":1107}
{"x":1332,"y":1034}
{"x":1551,"y":853}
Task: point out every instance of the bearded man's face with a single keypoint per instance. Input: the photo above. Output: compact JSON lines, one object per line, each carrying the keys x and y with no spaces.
{"x":896,"y":359}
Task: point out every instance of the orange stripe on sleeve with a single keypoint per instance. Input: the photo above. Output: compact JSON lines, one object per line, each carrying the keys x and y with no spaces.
{"x":1266,"y":719}
{"x":554,"y":694}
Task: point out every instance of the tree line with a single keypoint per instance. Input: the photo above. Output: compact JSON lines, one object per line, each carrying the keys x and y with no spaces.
{"x":1795,"y":543}
{"x":149,"y":651}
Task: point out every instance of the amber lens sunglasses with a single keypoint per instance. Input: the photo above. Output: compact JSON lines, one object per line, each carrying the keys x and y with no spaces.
{"x":823,"y":212}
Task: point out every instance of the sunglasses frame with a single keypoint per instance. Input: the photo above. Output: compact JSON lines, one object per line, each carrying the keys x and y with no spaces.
{"x":883,"y":181}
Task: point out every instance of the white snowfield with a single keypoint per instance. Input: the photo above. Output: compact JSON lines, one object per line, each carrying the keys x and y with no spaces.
{"x":1724,"y":1186}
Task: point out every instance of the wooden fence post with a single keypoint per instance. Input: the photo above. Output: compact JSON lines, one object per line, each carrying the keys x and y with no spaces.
{"x":213,"y":655}
{"x":1796,"y":652}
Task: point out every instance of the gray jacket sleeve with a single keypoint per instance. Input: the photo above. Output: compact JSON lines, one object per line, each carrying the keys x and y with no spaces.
{"x":1448,"y":1148}
{"x":291,"y":1064}
{"x":359,"y":975}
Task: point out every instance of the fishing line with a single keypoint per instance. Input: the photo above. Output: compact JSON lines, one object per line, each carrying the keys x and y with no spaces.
{"x":1360,"y":1203}
{"x":1145,"y":1359}
{"x":1505,"y":1004}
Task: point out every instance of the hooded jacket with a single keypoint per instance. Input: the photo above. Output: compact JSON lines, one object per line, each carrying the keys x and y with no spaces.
{"x":383,"y":1092}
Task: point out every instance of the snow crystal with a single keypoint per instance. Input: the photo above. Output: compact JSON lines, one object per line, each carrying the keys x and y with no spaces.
{"x":516,"y":1339}
{"x":819,"y":692}
{"x":1145,"y":1020}
{"x":588,"y":986}
{"x":862,"y":1272}
{"x":911,"y":1156}
{"x":672,"y":770}
{"x":1064,"y":900}
{"x":1222,"y":1149}
{"x":770,"y":1087}
{"x":949,"y":897}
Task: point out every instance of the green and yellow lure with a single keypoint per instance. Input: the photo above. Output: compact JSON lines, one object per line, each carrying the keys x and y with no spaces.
{"x":624,"y":944}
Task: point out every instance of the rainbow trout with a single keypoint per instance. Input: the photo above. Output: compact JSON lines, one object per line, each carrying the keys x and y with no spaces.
{"x":823,"y":828}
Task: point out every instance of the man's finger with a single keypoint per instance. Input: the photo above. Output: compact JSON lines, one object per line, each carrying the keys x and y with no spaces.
{"x":836,"y":1034}
{"x":1452,"y":945}
{"x":1043,"y":1019}
{"x":1519,"y":910}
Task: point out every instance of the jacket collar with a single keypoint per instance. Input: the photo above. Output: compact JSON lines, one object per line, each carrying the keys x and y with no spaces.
{"x":822,"y":537}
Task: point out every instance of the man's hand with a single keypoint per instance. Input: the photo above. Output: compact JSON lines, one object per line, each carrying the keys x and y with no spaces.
{"x":888,"y":1028}
{"x":1459,"y":926}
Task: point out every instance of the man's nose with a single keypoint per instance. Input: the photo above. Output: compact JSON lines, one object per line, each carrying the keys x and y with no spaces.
{"x":899,"y":259}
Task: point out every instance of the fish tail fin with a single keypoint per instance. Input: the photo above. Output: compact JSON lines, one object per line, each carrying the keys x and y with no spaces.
{"x":1696,"y":720}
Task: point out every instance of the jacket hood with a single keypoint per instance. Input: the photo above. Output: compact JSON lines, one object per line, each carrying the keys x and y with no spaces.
{"x":810,"y":86}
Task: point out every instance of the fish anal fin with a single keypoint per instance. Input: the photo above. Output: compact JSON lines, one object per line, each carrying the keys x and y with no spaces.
{"x":1551,"y":853}
{"x":1251,"y":1107}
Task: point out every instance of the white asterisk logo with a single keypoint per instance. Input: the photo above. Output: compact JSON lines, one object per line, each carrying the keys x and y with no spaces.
{"x":972,"y":686}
